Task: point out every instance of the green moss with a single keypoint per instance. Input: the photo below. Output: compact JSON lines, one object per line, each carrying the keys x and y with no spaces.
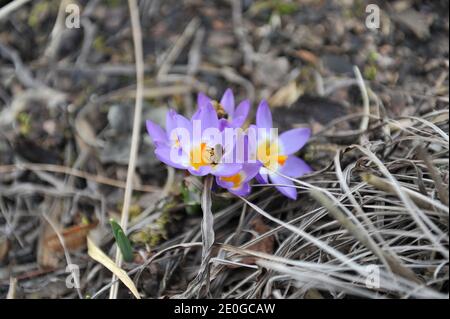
{"x":40,"y":10}
{"x":24,"y":121}
{"x":135,"y":210}
{"x":281,"y":7}
{"x":373,"y":57}
{"x":114,"y":3}
{"x":370,"y":72}
{"x":156,"y":232}
{"x":286,"y":8}
{"x":99,"y":43}
{"x":359,"y":9}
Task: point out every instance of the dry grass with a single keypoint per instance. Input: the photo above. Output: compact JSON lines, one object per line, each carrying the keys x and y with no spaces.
{"x":324,"y":247}
{"x":378,"y":198}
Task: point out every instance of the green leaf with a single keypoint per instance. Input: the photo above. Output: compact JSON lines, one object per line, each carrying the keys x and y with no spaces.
{"x":122,"y":241}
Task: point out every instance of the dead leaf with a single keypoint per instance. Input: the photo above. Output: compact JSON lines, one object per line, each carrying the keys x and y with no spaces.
{"x":265,"y":245}
{"x":98,"y":255}
{"x":307,"y":56}
{"x":50,"y":251}
{"x":286,"y":95}
{"x":47,"y":258}
{"x":74,"y":238}
{"x":86,"y":132}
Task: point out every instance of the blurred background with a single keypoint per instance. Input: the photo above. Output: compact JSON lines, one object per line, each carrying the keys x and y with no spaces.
{"x":67,"y":96}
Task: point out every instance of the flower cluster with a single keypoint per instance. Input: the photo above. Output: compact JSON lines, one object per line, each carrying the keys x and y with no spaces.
{"x":214,"y":142}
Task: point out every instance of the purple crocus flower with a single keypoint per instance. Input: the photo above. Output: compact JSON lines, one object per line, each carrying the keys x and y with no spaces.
{"x":165,"y":141}
{"x":276,"y":153}
{"x":202,"y":146}
{"x":209,"y":154}
{"x":187,"y":144}
{"x":239,"y":183}
{"x":159,"y":135}
{"x":229,"y":115}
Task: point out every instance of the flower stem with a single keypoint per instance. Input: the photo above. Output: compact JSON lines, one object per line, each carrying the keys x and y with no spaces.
{"x":208,"y":218}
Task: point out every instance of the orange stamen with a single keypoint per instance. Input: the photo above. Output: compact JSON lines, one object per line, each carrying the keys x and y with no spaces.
{"x":282,"y":159}
{"x":197,"y":156}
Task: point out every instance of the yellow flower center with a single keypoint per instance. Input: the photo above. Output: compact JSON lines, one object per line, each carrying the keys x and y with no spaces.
{"x":176,"y":143}
{"x":282,"y":159}
{"x":236,"y":180}
{"x":268,"y":154}
{"x":203,"y":155}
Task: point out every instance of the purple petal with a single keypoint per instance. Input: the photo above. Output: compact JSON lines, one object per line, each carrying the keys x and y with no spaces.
{"x":250,"y":170}
{"x":242,"y":109}
{"x":183,"y":122}
{"x":287,"y":191}
{"x":294,"y":140}
{"x":208,"y":117}
{"x":196,"y":114}
{"x":157,"y":134}
{"x":225,"y":169}
{"x":202,"y":100}
{"x":263,"y":115}
{"x":227,"y":101}
{"x":295,"y":167}
{"x":171,"y":121}
{"x":202,"y":170}
{"x":163,"y":153}
{"x":243,"y":190}
{"x":223,"y":124}
{"x":223,"y":184}
{"x":237,"y":122}
{"x":262,"y":178}
{"x":241,"y":113}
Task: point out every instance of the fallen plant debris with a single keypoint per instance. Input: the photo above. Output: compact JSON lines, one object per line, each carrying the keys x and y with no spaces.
{"x":361,"y":211}
{"x":74,"y":238}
